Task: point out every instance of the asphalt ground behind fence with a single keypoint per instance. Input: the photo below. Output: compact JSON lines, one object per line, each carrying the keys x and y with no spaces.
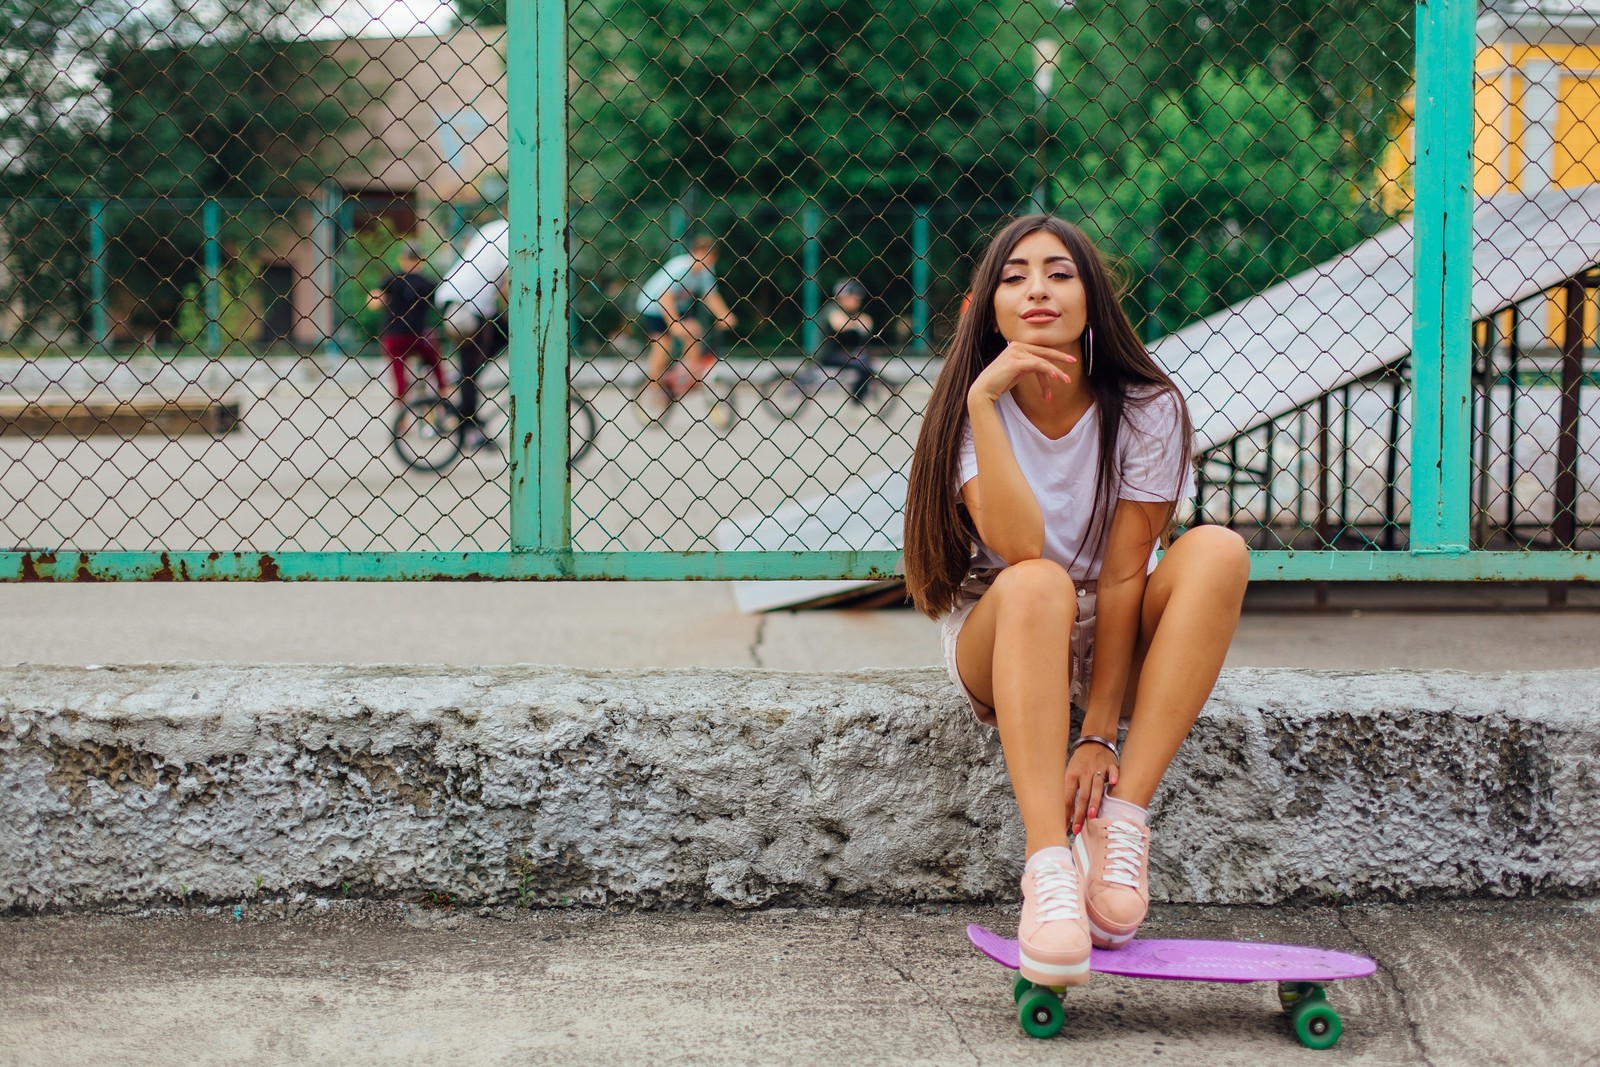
{"x":310,"y":466}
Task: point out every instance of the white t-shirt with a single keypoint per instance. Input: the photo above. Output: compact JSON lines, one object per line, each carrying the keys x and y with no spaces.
{"x":474,"y":279}
{"x":681,"y":273}
{"x":1151,"y":466}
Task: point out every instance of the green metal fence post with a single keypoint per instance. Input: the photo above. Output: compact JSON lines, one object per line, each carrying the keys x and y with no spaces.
{"x":1441,"y":399}
{"x":536,"y":83}
{"x":677,"y":229}
{"x":344,"y":329}
{"x":920,"y":239}
{"x":324,"y":240}
{"x":211,"y":218}
{"x":99,"y":314}
{"x":810,"y":289}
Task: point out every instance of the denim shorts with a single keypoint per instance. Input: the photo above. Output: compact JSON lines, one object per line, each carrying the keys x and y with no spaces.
{"x":1082,"y":640}
{"x":653,"y":323}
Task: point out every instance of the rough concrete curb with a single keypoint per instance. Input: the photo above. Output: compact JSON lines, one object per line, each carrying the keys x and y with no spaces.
{"x":688,"y":788}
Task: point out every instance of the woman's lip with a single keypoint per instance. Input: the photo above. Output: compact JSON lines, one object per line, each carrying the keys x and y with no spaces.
{"x":1040,"y":316}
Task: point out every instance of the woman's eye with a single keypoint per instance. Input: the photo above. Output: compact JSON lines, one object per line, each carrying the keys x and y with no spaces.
{"x":1063,"y":276}
{"x":1008,"y":279}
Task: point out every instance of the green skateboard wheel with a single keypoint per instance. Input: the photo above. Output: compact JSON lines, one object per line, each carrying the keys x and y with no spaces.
{"x":1019,"y":987}
{"x":1040,"y":1013}
{"x":1316,"y":1024}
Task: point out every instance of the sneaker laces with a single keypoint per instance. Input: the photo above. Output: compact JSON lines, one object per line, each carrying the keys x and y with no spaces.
{"x":1057,"y":891}
{"x":1124,"y":854}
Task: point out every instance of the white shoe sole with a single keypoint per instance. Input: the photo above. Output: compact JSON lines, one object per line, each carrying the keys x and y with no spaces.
{"x":1053,"y":973}
{"x":1107,"y":939}
{"x":1101,"y":937}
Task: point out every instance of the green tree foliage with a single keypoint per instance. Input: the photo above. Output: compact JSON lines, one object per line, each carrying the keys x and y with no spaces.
{"x":481,"y":12}
{"x":742,"y":113}
{"x":1351,"y":60}
{"x":1232,"y":185}
{"x":44,"y":96}
{"x":809,"y":98}
{"x":1218,"y":145}
{"x":46,"y":114}
{"x":253,"y":117}
{"x":256,"y":118}
{"x":1170,"y":129}
{"x":157,"y":105}
{"x":1223,"y":146}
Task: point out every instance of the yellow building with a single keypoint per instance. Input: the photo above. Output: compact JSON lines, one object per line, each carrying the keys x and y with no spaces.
{"x":1536,"y":100}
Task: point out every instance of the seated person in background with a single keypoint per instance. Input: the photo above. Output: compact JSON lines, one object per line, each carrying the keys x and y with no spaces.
{"x":846,"y":332}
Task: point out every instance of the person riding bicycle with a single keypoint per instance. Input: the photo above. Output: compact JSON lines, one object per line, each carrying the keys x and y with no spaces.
{"x":665,"y":306}
{"x":405,"y":298}
{"x":847,"y":330}
{"x":472,"y":301}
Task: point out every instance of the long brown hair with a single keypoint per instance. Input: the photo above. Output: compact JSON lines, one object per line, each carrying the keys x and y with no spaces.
{"x":939,"y":534}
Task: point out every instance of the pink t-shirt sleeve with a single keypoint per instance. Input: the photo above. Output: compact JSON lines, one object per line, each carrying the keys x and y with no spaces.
{"x":968,"y":464}
{"x":1153,"y":464}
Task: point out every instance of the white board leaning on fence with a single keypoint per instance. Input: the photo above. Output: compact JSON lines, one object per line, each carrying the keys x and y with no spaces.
{"x":1247,"y":364}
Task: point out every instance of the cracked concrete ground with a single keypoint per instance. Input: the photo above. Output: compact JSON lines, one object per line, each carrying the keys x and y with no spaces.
{"x":1474,"y":983}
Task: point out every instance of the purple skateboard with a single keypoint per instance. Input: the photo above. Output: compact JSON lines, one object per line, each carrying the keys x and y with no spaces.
{"x":1301,"y":974}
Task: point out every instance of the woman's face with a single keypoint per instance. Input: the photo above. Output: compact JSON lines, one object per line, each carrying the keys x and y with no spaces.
{"x":1040,"y":299}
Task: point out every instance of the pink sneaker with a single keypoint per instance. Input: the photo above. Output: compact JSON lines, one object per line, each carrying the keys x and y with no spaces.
{"x":1053,"y":936}
{"x":1113,"y":859}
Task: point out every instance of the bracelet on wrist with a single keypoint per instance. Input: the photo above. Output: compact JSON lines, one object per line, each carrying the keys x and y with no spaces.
{"x":1096,"y":740}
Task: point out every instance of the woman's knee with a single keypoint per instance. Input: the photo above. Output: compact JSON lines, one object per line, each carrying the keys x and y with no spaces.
{"x":1224,"y":554}
{"x":1037,"y":587}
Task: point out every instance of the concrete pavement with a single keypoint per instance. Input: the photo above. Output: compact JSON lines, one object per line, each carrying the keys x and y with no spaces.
{"x":319,"y":982}
{"x":695,"y":624}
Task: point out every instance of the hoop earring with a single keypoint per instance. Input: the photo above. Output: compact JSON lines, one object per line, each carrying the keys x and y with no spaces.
{"x":1088,"y":351}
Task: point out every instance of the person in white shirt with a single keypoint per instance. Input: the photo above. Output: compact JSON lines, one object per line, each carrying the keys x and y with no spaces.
{"x":1049,"y":466}
{"x":665,"y":303}
{"x":471,"y":300}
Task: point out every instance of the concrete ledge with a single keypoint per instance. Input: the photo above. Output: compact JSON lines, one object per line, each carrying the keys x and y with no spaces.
{"x":689,"y":788}
{"x":71,"y":417}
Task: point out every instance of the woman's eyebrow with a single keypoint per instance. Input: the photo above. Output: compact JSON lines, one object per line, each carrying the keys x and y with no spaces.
{"x":1018,"y":262}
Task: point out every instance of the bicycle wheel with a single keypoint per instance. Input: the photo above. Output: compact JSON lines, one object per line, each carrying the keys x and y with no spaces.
{"x":881,"y":399}
{"x":784,"y":397}
{"x":428,"y":434}
{"x":722,"y":410}
{"x":584,"y":426}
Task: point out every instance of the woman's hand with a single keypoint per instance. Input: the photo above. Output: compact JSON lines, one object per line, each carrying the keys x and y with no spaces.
{"x":1015,"y":362}
{"x":1091,"y":770}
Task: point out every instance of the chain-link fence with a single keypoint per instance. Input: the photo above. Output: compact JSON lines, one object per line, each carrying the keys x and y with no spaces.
{"x":652,"y":288}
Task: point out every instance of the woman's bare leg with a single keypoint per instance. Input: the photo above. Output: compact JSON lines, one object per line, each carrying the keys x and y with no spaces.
{"x":1014,"y":654}
{"x":1191,"y":609}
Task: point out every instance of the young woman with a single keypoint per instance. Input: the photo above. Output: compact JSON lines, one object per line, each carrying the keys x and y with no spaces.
{"x":1050,"y":463}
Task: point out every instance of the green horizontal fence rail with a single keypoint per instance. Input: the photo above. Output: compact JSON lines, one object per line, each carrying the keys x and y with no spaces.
{"x":544,"y":326}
